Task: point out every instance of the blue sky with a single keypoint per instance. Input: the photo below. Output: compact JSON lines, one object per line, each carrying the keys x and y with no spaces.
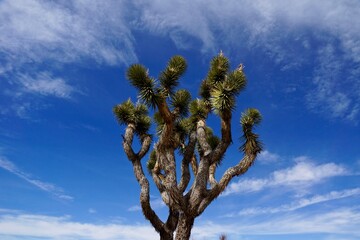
{"x":63,"y":173}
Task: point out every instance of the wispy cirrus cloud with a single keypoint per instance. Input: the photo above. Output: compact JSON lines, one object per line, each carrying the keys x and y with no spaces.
{"x":304,"y":173}
{"x":37,"y":30}
{"x":156,"y":203}
{"x":300,"y":203}
{"x":342,"y":222}
{"x":43,"y":226}
{"x":266,"y":157}
{"x":51,"y":35}
{"x":47,"y":187}
{"x":290,"y":33}
{"x":45,"y":84}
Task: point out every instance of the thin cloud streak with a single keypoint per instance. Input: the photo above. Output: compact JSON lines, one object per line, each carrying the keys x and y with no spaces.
{"x":45,"y":84}
{"x":344,"y":222}
{"x":304,"y":173}
{"x":266,"y":157}
{"x":42,"y":226}
{"x":301,"y":203}
{"x":290,"y":33}
{"x":47,"y":187}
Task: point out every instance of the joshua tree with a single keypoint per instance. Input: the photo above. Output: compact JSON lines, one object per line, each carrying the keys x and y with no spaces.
{"x":182,"y":133}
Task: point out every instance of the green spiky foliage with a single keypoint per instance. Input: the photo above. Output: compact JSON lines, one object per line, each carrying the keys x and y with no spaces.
{"x":180,"y":101}
{"x":181,"y":129}
{"x":127,"y":113}
{"x":169,"y":78}
{"x":220,"y":88}
{"x":249,"y":119}
{"x":198,"y":109}
{"x":219,"y":68}
{"x":139,"y":78}
{"x":150,"y":164}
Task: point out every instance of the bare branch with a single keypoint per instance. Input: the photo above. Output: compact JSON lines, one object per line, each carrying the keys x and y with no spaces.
{"x":201,"y":137}
{"x":212,"y":178}
{"x":145,"y":197}
{"x":145,"y":145}
{"x":220,"y":150}
{"x":229,"y":174}
{"x":128,"y":140}
{"x":189,"y":152}
{"x":194,"y":164}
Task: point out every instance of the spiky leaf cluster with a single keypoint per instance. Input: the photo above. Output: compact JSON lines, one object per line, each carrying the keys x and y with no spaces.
{"x":150,"y":164}
{"x":198,"y":109}
{"x":250,"y":118}
{"x":170,"y":76}
{"x":127,"y":113}
{"x":138,"y":76}
{"x":180,"y":102}
{"x":218,"y":69}
{"x":221,"y":86}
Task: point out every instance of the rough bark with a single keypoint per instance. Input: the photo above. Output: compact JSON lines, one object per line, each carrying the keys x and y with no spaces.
{"x":184,"y":227}
{"x":183,"y":206}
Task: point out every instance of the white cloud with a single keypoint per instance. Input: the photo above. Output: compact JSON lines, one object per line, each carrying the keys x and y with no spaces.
{"x":290,"y":33}
{"x":47,"y":187}
{"x":42,"y":226}
{"x":53,"y":35}
{"x":45,"y":84}
{"x":330,"y":95}
{"x":301,"y":203}
{"x":157,"y":203}
{"x":36,"y":31}
{"x":267,"y":157}
{"x":342,"y":222}
{"x":338,"y":222}
{"x":303,"y":174}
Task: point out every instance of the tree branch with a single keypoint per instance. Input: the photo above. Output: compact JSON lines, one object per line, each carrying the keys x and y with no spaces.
{"x":201,"y":137}
{"x":128,"y":140}
{"x":189,"y":152}
{"x":230,"y":173}
{"x":145,"y":145}
{"x":226,"y":139}
{"x":212,"y":178}
{"x":145,"y":197}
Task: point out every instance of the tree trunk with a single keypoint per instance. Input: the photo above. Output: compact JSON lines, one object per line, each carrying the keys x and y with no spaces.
{"x":166,"y":236}
{"x":184,"y":227}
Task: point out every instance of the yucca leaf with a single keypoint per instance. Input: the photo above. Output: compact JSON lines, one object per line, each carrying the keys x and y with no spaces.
{"x":138,"y":76}
{"x":170,"y":76}
{"x":152,"y":161}
{"x":222,"y":101}
{"x":180,"y":101}
{"x":149,"y":96}
{"x":250,"y":118}
{"x":125,"y":112}
{"x":143,"y":124}
{"x":198,"y":109}
{"x":218,"y":69}
{"x":205,"y":89}
{"x":234,"y":83}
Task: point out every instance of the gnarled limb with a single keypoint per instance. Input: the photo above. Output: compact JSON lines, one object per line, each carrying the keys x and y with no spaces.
{"x":212,"y":178}
{"x":220,"y":150}
{"x":145,"y":197}
{"x":201,"y":137}
{"x":128,"y":140}
{"x":189,"y":153}
{"x":140,"y":176}
{"x":230,"y":173}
